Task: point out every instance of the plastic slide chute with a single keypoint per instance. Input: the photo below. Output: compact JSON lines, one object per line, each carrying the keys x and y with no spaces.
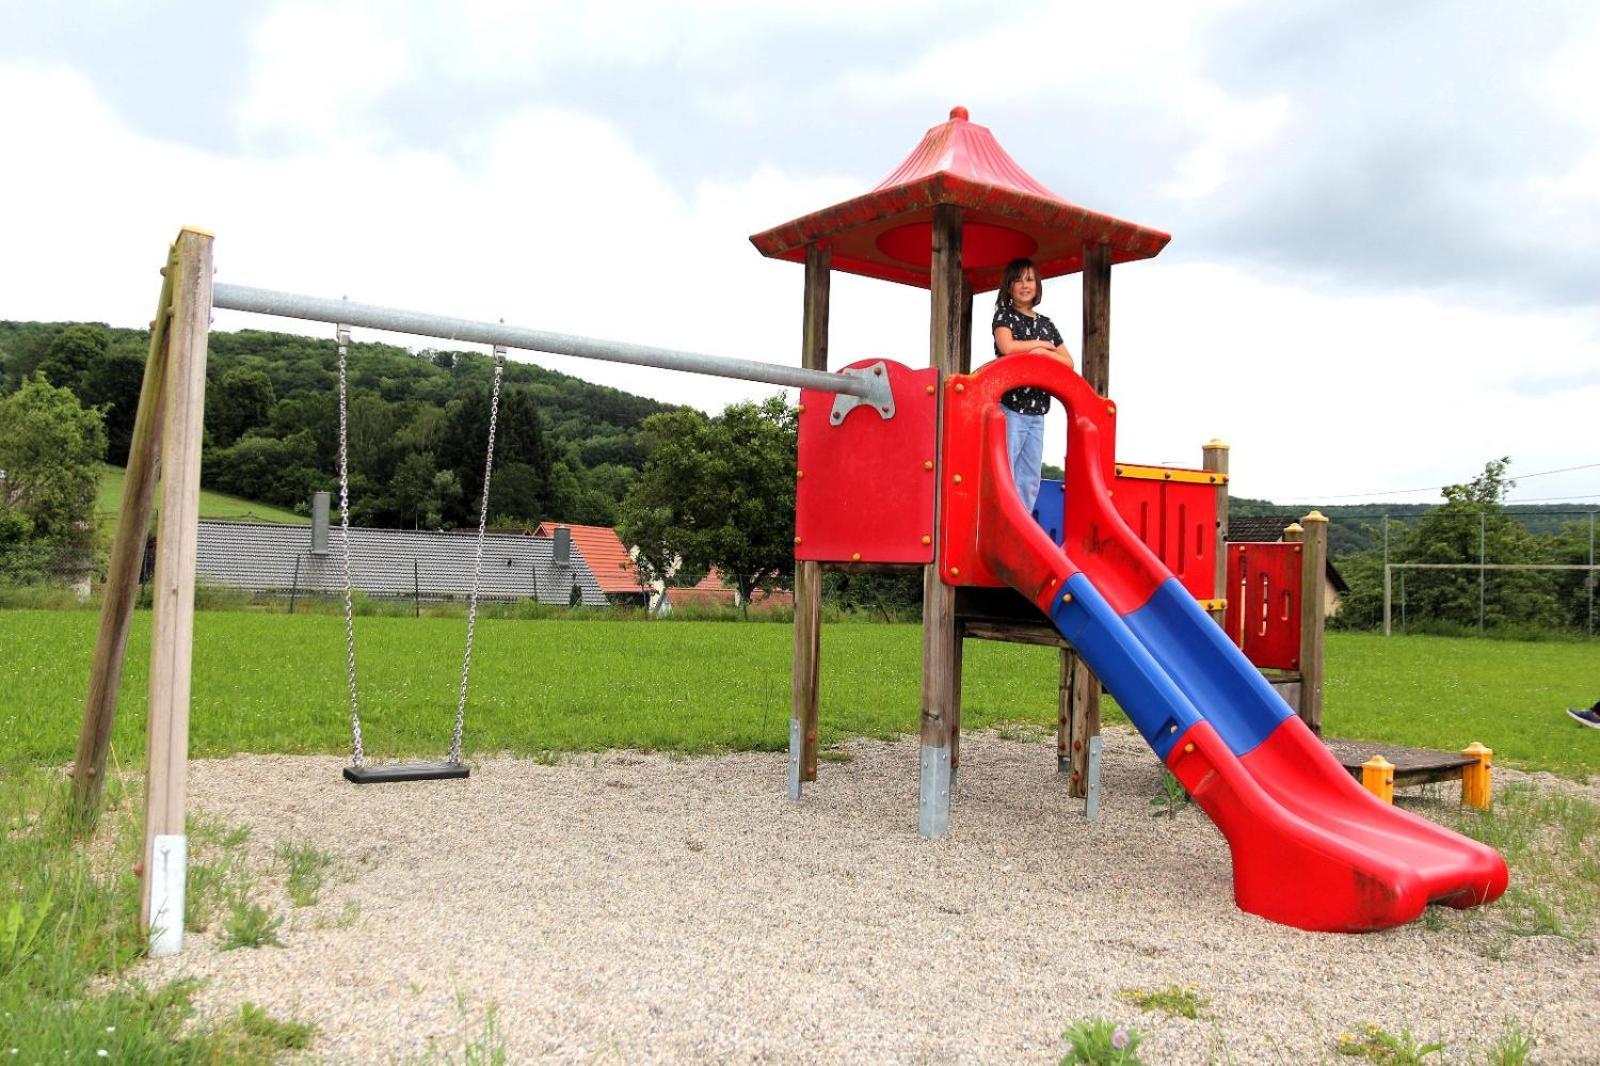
{"x":1310,"y":847}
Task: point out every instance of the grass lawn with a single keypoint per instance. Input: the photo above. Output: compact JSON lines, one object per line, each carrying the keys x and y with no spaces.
{"x":212,"y":504}
{"x":276,"y":683}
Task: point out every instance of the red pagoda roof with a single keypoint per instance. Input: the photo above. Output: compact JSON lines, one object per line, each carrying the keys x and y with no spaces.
{"x":888,"y":232}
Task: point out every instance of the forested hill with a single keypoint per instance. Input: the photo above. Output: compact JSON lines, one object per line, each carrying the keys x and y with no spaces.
{"x":418,"y":423}
{"x":1359,"y":527}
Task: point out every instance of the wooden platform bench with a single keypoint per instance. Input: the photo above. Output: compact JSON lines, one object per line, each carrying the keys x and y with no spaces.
{"x":1417,"y":766}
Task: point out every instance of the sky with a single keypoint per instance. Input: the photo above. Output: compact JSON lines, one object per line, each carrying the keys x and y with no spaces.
{"x":1384,"y":269}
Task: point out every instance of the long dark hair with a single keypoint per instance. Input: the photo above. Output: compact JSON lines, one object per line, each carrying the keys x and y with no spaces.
{"x":1014,"y":271}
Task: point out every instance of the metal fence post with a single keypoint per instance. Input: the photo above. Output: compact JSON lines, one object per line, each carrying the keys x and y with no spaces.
{"x":1483,"y":521}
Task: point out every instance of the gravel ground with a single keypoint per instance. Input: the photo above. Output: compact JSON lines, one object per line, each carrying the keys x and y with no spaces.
{"x":636,"y":908}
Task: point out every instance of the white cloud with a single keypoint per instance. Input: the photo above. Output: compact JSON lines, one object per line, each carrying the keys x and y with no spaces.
{"x":315,"y":71}
{"x":561,"y":222}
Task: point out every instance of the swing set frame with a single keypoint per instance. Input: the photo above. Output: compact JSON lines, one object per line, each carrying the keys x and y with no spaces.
{"x":167,"y":437}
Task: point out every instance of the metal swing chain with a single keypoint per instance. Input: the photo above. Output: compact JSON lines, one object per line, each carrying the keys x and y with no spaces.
{"x":358,"y":756}
{"x":477,"y":562}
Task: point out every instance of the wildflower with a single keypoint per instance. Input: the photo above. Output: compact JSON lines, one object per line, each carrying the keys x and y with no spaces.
{"x":1119,"y":1038}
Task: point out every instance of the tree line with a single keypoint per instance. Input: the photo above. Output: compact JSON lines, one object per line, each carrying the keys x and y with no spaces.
{"x":697,"y":491}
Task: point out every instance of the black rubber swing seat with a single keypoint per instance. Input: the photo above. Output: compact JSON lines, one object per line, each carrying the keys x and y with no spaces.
{"x":405,"y":771}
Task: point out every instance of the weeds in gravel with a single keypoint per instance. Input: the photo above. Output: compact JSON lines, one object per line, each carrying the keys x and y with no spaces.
{"x":261,"y":1027}
{"x":486,"y":1048}
{"x":1175,"y":1000}
{"x":1379,"y":1045}
{"x":1097,"y":1042}
{"x":1171,"y":798}
{"x":1514,"y":1048}
{"x":305,"y":867}
{"x":64,"y":991}
{"x":1555,"y":872}
{"x":249,"y":925}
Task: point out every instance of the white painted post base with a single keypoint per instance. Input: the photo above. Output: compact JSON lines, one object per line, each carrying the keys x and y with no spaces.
{"x":166,"y":874}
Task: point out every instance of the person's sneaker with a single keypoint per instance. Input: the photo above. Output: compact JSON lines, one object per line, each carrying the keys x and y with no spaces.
{"x":1590,"y":718}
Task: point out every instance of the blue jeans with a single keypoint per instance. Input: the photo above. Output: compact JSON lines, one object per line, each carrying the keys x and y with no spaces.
{"x":1025,"y":442}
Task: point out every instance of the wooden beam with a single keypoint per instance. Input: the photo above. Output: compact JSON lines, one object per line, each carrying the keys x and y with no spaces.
{"x":805,"y":713}
{"x":1096,"y":364}
{"x":1313,"y":616}
{"x":122,"y":574}
{"x":938,"y":599}
{"x":165,"y":864}
{"x":1083,"y":700}
{"x":1214,"y":457}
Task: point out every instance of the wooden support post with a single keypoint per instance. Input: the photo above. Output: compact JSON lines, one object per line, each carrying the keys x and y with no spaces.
{"x":1214,"y":458}
{"x":1083,"y":698}
{"x":122,"y":574}
{"x":1313,"y":617}
{"x":164,"y":864}
{"x":963,"y":366}
{"x":805,"y":710}
{"x":939,"y":636}
{"x":1069,"y":666}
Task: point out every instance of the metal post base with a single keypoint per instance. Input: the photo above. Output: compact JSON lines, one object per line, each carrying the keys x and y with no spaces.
{"x":794,"y":758}
{"x":933,"y":807}
{"x":1091,"y":799}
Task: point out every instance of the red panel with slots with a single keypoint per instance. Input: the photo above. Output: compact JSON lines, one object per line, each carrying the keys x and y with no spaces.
{"x":1264,"y":603}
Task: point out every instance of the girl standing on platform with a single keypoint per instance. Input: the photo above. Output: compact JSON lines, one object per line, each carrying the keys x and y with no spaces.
{"x":1020,"y":329}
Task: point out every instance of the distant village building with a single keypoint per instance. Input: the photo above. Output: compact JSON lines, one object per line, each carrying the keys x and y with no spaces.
{"x":269,"y":557}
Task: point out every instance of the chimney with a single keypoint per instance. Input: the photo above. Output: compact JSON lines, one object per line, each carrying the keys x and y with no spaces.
{"x":562,"y":548}
{"x":319,"y":523}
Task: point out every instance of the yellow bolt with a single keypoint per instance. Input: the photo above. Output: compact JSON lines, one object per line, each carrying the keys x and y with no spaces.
{"x":1477,"y":780}
{"x":955,"y":571}
{"x":930,"y":390}
{"x":799,"y":473}
{"x":927,"y":539}
{"x":927,"y":464}
{"x":1111,"y":408}
{"x":1172,"y":729}
{"x":957,"y":479}
{"x":884,"y":408}
{"x":1066,"y":597}
{"x":1377,"y":777}
{"x":1187,"y":748}
{"x":797,"y":540}
{"x":960,"y":387}
{"x":1119,"y":471}
{"x":855,"y":557}
{"x":800,"y":407}
{"x":1166,"y":475}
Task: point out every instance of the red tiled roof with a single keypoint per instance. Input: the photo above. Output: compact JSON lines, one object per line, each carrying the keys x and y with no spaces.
{"x":887,"y":233}
{"x":602,"y":549}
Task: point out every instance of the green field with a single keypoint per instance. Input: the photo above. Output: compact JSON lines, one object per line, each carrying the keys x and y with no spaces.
{"x":108,"y":500}
{"x":276,"y":683}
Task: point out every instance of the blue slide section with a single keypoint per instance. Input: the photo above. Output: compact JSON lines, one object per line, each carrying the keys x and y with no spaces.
{"x":1210,"y":669}
{"x":1169,"y":665}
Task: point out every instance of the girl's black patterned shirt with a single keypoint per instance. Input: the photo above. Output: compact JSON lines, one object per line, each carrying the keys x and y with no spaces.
{"x":1026,"y":400}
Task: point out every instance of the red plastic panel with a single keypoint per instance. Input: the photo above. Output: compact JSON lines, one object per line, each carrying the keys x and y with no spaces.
{"x":1264,"y":603}
{"x":1177,"y":521}
{"x":865,"y":488}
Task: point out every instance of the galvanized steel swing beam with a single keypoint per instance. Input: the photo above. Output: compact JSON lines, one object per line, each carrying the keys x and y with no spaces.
{"x":866,"y":387}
